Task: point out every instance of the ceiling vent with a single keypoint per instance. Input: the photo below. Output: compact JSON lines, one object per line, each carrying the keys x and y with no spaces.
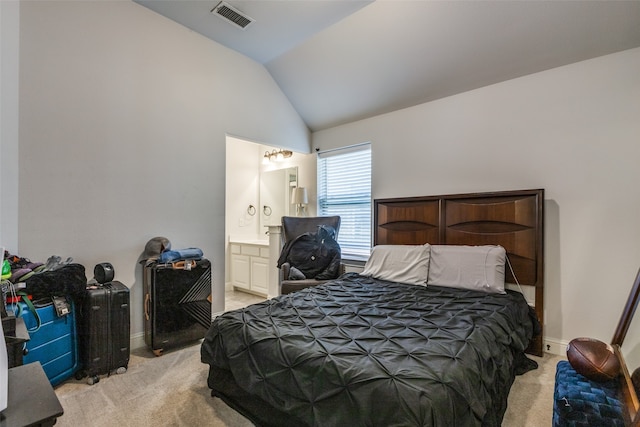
{"x":232,"y":15}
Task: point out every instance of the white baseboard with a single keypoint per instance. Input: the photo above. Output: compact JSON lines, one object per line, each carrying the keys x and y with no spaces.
{"x":553,"y":346}
{"x":137,"y":341}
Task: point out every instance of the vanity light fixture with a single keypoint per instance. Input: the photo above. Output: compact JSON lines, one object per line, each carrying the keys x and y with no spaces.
{"x":274,"y":155}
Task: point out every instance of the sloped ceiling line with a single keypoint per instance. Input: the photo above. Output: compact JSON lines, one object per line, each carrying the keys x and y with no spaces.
{"x":340,"y":61}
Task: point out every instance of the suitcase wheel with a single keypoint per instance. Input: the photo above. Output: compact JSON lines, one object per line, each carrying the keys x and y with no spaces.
{"x":93,"y":380}
{"x":80,"y":375}
{"x":121,"y":370}
{"x":158,"y":352}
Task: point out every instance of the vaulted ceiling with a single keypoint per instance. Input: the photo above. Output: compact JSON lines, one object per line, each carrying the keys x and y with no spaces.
{"x":340,"y":61}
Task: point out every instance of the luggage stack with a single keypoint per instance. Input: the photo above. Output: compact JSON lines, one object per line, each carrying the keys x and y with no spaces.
{"x":84,"y":334}
{"x":45,"y":296}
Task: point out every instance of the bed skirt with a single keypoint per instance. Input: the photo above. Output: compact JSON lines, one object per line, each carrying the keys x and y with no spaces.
{"x":258,"y":411}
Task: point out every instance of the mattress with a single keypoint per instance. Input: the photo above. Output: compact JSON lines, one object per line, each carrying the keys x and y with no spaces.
{"x":361,"y":351}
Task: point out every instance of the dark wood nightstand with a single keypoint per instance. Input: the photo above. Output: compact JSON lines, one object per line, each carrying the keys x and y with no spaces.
{"x":32,"y":401}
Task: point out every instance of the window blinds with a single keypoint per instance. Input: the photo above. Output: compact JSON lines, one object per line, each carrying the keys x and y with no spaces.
{"x":344,"y":188}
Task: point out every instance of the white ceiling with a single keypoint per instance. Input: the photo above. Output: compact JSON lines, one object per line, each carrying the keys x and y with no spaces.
{"x":340,"y":61}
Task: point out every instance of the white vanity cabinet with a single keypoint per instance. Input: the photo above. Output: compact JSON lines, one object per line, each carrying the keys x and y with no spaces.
{"x":250,"y":267}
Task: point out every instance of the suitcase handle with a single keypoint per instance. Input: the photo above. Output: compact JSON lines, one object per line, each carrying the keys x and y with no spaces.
{"x":147,"y":300}
{"x":184,"y":265}
{"x":31,"y":308}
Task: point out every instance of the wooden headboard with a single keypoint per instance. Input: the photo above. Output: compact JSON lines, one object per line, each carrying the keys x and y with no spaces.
{"x":512,"y":219}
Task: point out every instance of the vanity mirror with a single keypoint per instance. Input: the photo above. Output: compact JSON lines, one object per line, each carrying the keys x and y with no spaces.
{"x":275,"y":195}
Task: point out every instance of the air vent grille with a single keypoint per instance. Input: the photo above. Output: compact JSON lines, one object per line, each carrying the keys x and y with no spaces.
{"x":230,"y":14}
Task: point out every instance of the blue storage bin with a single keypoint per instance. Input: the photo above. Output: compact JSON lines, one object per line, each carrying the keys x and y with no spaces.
{"x":54,"y":344}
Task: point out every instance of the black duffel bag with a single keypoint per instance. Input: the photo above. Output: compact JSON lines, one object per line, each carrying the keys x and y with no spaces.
{"x":69,"y":279}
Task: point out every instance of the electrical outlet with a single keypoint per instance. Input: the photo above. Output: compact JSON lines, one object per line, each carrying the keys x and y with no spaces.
{"x":558,"y":348}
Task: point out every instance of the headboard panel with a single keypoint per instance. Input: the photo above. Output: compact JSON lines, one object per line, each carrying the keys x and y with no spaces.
{"x":512,"y":219}
{"x":407,"y":222}
{"x":508,"y":221}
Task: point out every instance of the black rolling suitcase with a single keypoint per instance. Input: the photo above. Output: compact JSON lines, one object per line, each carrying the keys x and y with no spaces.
{"x":177,"y":303}
{"x":104,"y":331}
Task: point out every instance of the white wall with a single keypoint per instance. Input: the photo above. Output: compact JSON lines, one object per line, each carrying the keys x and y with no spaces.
{"x":9,"y":44}
{"x":573,"y":131}
{"x":242,"y":188}
{"x":123,"y":120}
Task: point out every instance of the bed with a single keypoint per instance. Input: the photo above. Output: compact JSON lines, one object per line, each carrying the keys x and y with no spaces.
{"x":366,"y":349}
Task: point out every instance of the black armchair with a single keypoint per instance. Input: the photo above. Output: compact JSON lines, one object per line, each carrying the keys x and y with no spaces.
{"x":293,"y":227}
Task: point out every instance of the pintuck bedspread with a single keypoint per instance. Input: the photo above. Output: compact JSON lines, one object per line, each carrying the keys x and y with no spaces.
{"x":360,"y":351}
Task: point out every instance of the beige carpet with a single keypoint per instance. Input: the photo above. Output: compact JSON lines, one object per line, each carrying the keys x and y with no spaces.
{"x":171,"y":390}
{"x":530,"y":401}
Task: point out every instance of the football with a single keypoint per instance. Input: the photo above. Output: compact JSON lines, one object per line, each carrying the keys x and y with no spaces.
{"x":635,"y":379}
{"x":593,"y":359}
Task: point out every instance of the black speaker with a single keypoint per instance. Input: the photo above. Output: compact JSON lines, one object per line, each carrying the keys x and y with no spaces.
{"x":103,"y":272}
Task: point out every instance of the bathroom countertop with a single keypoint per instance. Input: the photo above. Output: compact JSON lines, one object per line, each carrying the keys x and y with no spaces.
{"x":248,"y":241}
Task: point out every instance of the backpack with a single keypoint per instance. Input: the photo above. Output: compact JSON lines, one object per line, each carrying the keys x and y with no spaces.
{"x":315,"y":255}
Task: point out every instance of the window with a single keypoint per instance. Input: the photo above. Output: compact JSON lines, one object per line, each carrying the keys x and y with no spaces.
{"x":344,"y":188}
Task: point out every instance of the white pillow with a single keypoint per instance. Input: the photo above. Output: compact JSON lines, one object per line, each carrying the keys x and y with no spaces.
{"x":399,"y":263}
{"x":480,"y":268}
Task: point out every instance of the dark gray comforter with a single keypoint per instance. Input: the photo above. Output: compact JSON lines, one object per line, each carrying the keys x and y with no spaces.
{"x":358,"y":351}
